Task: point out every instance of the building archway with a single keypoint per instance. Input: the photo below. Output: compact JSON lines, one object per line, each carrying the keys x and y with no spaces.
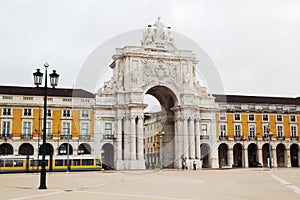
{"x":84,"y":148}
{"x":107,"y":156}
{"x":63,"y":149}
{"x":6,"y":149}
{"x":266,"y":154}
{"x":294,"y":149}
{"x":280,"y":151}
{"x":238,"y":155}
{"x":205,"y":155}
{"x":26,"y":149}
{"x":252,"y":154}
{"x":49,"y":149}
{"x":223,"y":155}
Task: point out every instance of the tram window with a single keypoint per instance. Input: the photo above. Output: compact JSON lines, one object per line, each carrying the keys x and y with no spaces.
{"x":66,"y":162}
{"x":34,"y":163}
{"x":87,"y":162}
{"x":98,"y":162}
{"x":18,"y":163}
{"x":59,"y":162}
{"x":8,"y":163}
{"x":1,"y":163}
{"x":76,"y":162}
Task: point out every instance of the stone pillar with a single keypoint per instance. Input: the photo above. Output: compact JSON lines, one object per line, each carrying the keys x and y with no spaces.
{"x":274,"y":156}
{"x":127,"y":138}
{"x":140,"y":133}
{"x":178,"y":145}
{"x":119,"y":139}
{"x":97,"y":136}
{"x":230,"y":157}
{"x":246,"y":161}
{"x":288,"y":157}
{"x":192,"y":138}
{"x":185,"y":138}
{"x":197,"y":133}
{"x":132,"y":138}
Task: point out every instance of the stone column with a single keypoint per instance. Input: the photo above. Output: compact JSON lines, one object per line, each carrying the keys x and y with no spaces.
{"x":132,"y":138}
{"x":197,"y":133}
{"x":140,"y":133}
{"x":288,"y":157}
{"x":192,"y":138}
{"x":119,"y":139}
{"x":246,"y":165}
{"x":185,"y":138}
{"x":97,"y":135}
{"x":127,"y":138}
{"x":230,"y":157}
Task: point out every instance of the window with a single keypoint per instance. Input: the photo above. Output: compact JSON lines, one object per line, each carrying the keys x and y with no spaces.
{"x":6,"y":128}
{"x":49,"y":113}
{"x":293,"y":118}
{"x":26,"y":129}
{"x":6,"y":111}
{"x":293,"y":131}
{"x":279,"y":118}
{"x":265,"y":118}
{"x":237,"y":117}
{"x":203,"y":129}
{"x":84,"y":133}
{"x":237,"y":130}
{"x":252,"y":131}
{"x":66,"y":113}
{"x":108,"y":129}
{"x":27,"y":112}
{"x":280,"y":131}
{"x":84,"y":113}
{"x":48,"y":130}
{"x":266,"y":130}
{"x":66,"y":129}
{"x":251,"y":117}
{"x":223,"y":130}
{"x":222,"y":117}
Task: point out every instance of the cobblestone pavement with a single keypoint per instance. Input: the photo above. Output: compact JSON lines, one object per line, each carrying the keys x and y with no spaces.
{"x":166,"y":184}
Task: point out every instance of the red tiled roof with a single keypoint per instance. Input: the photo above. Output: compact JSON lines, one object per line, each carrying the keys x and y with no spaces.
{"x":56,"y":92}
{"x":257,"y":99}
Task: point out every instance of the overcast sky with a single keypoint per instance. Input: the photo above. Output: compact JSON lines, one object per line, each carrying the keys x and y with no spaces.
{"x":254,"y":45}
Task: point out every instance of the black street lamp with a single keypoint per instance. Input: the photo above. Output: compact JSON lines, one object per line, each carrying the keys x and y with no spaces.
{"x":38,"y":78}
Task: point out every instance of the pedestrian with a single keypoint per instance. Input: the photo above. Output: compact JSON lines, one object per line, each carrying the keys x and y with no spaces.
{"x":195,"y":164}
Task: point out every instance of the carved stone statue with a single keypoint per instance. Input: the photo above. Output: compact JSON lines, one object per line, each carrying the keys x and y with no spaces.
{"x":159,"y":29}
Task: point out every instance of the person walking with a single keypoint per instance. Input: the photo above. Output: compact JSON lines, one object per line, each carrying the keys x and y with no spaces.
{"x":195,"y":165}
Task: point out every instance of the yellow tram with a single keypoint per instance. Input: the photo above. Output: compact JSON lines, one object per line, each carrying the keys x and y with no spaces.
{"x":12,"y":163}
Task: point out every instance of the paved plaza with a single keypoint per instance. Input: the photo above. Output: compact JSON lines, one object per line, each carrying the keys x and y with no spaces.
{"x":166,"y":184}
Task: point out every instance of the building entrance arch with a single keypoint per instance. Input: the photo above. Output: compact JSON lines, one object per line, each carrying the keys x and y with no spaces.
{"x":107,"y":156}
{"x":294,"y":149}
{"x":26,"y":149}
{"x":6,"y":149}
{"x":280,"y":154}
{"x":238,"y":155}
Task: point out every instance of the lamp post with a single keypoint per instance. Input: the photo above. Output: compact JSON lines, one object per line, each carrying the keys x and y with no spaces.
{"x":160,"y":150}
{"x":270,"y":148}
{"x":38,"y":78}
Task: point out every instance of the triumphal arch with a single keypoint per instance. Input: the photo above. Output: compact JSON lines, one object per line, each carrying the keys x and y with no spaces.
{"x":156,"y":67}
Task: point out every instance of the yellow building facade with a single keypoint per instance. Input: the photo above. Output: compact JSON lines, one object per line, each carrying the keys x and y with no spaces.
{"x":70,"y":120}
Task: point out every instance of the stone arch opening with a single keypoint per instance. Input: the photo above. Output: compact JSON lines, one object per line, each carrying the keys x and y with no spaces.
{"x":223,"y":155}
{"x":26,"y":149}
{"x":294,"y":149}
{"x":205,"y":155}
{"x":107,"y":156}
{"x":6,"y":149}
{"x":63,"y":149}
{"x":84,"y":148}
{"x":252,"y":154}
{"x":238,"y":155}
{"x":49,"y":149}
{"x":280,"y":151}
{"x":162,"y":129}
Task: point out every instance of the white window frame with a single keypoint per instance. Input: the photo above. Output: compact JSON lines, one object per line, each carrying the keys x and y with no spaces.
{"x":84,"y":131}
{"x":237,"y":130}
{"x":66,"y":130}
{"x":203,"y":129}
{"x":264,"y":119}
{"x":6,"y":113}
{"x":239,"y":116}
{"x":223,"y":132}
{"x":66,"y":113}
{"x":108,"y":131}
{"x":294,"y":117}
{"x":26,"y":114}
{"x":6,"y":131}
{"x":281,"y":120}
{"x":85,"y":114}
{"x":25,"y":132}
{"x":280,"y":132}
{"x":251,"y":119}
{"x":294,"y":132}
{"x":222,"y":116}
{"x":48,"y":129}
{"x":252,"y":133}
